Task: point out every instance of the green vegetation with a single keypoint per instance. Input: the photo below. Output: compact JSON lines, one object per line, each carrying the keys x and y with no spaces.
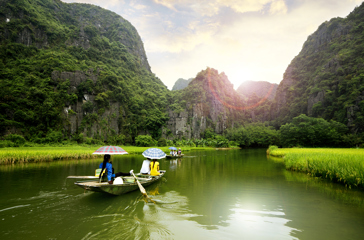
{"x":339,"y":165}
{"x":314,"y":132}
{"x":53,"y":38}
{"x":326,"y":79}
{"x":181,"y":84}
{"x":214,"y":96}
{"x":254,"y":135}
{"x":303,"y":131}
{"x":51,"y":153}
{"x":44,"y":154}
{"x":115,"y":98}
{"x":145,"y":141}
{"x":344,"y":195}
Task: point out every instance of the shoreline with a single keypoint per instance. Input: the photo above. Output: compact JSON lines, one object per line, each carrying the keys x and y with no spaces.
{"x":341,"y":165}
{"x":14,"y":155}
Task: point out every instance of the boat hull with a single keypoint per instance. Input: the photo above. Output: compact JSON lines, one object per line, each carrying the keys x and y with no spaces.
{"x":172,"y":157}
{"x":119,"y":189}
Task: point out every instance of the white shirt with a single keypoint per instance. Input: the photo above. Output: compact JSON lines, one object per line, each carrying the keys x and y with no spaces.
{"x":145,"y":167}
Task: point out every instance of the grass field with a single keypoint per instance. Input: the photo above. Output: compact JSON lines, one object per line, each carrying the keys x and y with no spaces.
{"x":46,"y":154}
{"x":337,"y":164}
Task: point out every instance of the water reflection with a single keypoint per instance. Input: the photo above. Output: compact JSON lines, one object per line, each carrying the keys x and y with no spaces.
{"x":207,"y":195}
{"x":174,"y":164}
{"x":260,"y":224}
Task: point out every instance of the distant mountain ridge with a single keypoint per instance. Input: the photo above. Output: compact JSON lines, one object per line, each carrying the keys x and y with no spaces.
{"x":77,"y":71}
{"x":260,"y":88}
{"x":181,"y":84}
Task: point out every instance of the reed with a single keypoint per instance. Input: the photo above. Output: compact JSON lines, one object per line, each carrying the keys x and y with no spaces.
{"x":339,"y":165}
{"x":47,"y":154}
{"x":44,"y":154}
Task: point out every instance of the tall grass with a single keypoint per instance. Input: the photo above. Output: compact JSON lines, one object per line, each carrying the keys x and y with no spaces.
{"x":44,"y":154}
{"x":47,"y":154}
{"x":340,"y":165}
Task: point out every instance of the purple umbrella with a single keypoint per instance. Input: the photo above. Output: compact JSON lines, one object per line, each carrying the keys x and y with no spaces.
{"x":111,"y":150}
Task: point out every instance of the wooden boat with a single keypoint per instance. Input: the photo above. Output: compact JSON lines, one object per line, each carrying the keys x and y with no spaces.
{"x":117,"y":189}
{"x":176,"y":156}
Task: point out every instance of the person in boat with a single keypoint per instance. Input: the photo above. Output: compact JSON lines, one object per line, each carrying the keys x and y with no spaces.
{"x":106,"y":164}
{"x":171,"y":153}
{"x":179,"y":152}
{"x":145,"y":167}
{"x":174,"y":153}
{"x":154,"y":168}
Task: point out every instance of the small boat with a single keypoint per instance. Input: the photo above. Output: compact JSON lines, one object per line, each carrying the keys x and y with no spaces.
{"x":129,"y":184}
{"x":176,"y":156}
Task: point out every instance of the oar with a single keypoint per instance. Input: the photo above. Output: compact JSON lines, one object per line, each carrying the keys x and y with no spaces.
{"x":142,"y":190}
{"x":83,"y":177}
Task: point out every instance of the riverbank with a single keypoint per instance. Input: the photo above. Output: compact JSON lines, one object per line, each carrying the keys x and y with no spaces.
{"x":56,"y":153}
{"x":341,"y":165}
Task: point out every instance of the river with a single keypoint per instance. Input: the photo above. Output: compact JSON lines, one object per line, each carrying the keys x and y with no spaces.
{"x":236,"y":194}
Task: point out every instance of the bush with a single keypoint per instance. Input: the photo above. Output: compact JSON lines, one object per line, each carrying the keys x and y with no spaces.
{"x":208,"y":133}
{"x":16,"y":139}
{"x":271,"y":148}
{"x":81,"y":138}
{"x":6,"y":143}
{"x":221,"y":142}
{"x":145,"y":141}
{"x":162,"y":142}
{"x":116,"y":140}
{"x":54,"y":137}
{"x":93,"y":141}
{"x":313,"y":132}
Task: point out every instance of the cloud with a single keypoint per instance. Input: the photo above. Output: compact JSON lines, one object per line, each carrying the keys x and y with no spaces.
{"x":246,"y":39}
{"x":168,"y":3}
{"x":104,"y":4}
{"x":278,"y":6}
{"x":212,"y":7}
{"x":244,"y":5}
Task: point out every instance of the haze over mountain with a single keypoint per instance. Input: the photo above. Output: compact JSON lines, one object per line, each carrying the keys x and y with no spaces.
{"x":260,"y":88}
{"x":181,"y":84}
{"x":78,"y":71}
{"x":247,"y":39}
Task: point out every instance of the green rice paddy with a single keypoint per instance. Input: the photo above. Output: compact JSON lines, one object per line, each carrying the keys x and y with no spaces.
{"x":47,"y":154}
{"x":339,"y":165}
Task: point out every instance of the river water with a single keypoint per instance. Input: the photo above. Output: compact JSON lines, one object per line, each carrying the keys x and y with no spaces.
{"x":236,"y":194}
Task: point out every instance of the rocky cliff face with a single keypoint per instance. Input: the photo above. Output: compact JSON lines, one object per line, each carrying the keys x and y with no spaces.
{"x":326,"y":79}
{"x":49,"y":39}
{"x":211,"y":102}
{"x":81,"y":23}
{"x":192,"y":124}
{"x":261,"y":89}
{"x":181,"y":84}
{"x":104,"y":124}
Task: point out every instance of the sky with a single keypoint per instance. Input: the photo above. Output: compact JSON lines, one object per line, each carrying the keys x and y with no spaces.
{"x":246,"y":39}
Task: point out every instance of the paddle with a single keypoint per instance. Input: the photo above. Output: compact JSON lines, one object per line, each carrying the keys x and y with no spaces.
{"x":142,"y":190}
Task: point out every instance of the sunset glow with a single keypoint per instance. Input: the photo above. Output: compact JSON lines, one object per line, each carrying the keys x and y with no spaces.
{"x":246,"y":39}
{"x":213,"y":91}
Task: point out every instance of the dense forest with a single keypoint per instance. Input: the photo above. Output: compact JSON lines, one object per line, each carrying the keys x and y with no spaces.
{"x":70,"y":70}
{"x":326,"y":79}
{"x":79,"y":73}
